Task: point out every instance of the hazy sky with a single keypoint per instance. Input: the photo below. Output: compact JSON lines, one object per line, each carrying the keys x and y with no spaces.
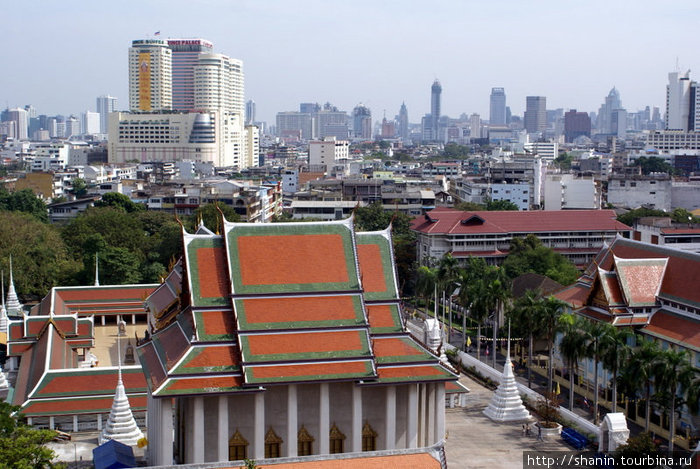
{"x":60,"y":55}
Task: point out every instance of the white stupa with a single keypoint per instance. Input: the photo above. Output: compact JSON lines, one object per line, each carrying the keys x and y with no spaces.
{"x":14,"y":307}
{"x":506,"y":404}
{"x":3,"y":310}
{"x":121,"y":425}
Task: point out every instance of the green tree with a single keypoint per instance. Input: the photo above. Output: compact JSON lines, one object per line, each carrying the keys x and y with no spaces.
{"x":636,"y":446}
{"x":454,"y":150}
{"x":25,"y":201}
{"x":653,"y":164}
{"x":469,"y":207}
{"x":527,"y":319}
{"x":119,"y":201}
{"x":552,"y":308}
{"x":530,"y":255}
{"x":23,"y":447}
{"x":447,"y":274}
{"x":79,"y":187}
{"x":209,"y":215}
{"x":40,"y":258}
{"x":426,"y":283}
{"x":674,"y":375}
{"x":629,"y":218}
{"x":498,"y":205}
{"x":572,"y":347}
{"x":681,"y":215}
{"x":639,"y":373}
{"x":615,"y":353}
{"x":595,"y":338}
{"x":564,"y":161}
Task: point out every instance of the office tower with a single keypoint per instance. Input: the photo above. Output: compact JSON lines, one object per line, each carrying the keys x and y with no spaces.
{"x":309,"y":108}
{"x":576,"y":124}
{"x":105,"y":105}
{"x":362,"y":122}
{"x":90,"y":123}
{"x":21,"y":122}
{"x":497,"y":115}
{"x":403,"y":122}
{"x":682,"y":103}
{"x":150,"y":75}
{"x":294,"y":125}
{"x":435,"y":93}
{"x":249,"y":112}
{"x":475,"y":126}
{"x":218,"y":84}
{"x":185,"y":55}
{"x":604,"y":122}
{"x":72,"y":127}
{"x":535,"y":114}
{"x":330,"y":122}
{"x":618,"y":123}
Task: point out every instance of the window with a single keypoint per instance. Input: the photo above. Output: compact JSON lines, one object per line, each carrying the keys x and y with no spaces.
{"x":272,"y":444}
{"x":337,"y":440}
{"x":237,"y":447}
{"x":305,"y":442}
{"x":369,"y":438}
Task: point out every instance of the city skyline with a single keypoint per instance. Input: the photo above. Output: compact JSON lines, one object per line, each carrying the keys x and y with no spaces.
{"x":304,"y":53}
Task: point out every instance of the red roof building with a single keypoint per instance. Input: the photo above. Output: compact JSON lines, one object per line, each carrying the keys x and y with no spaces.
{"x":286,"y":339}
{"x":576,"y":234}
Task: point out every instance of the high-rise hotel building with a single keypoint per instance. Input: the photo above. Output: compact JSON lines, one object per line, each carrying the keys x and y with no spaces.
{"x":187,"y":103}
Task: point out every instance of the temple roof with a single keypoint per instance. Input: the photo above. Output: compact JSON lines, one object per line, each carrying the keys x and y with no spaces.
{"x":280,"y":303}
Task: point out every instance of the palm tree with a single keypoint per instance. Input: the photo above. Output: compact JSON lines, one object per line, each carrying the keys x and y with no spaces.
{"x":447,"y":273}
{"x":595,"y":332}
{"x":552,"y":308}
{"x":615,"y":354}
{"x":572,"y":346}
{"x":425,"y":283}
{"x":674,"y":375}
{"x":465,"y":277}
{"x":497,"y":292}
{"x":640,"y":371}
{"x":526,"y":315}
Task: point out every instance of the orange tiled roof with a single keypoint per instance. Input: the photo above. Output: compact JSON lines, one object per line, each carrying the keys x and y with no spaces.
{"x":396,"y":461}
{"x":669,"y":326}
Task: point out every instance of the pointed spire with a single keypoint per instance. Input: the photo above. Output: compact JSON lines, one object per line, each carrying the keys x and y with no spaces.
{"x":97,"y":269}
{"x":3,"y":313}
{"x":14,"y":307}
{"x":121,"y":425}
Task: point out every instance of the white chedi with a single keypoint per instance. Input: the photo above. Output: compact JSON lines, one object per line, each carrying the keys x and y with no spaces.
{"x":506,"y":404}
{"x":4,"y":384}
{"x":121,"y":425}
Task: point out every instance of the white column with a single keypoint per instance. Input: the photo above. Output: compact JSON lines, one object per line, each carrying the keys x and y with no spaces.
{"x":198,"y":429}
{"x":165,"y":449}
{"x":430,"y":421}
{"x":356,"y":446}
{"x":222,"y":435}
{"x":412,"y":417}
{"x":324,"y":425}
{"x":99,"y":421}
{"x":133,"y":319}
{"x":52,"y":424}
{"x":440,"y":411}
{"x":292,"y":417}
{"x":422,"y":411}
{"x":29,"y":421}
{"x":103,"y":319}
{"x":390,"y":417}
{"x":259,"y":430}
{"x":75,"y":423}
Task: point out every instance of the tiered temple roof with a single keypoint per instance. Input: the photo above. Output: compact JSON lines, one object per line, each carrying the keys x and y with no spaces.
{"x":652,"y":287}
{"x":266,"y":304}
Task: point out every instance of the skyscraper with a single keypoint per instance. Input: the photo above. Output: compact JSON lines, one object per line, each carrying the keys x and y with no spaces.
{"x":218,"y":84}
{"x":535,"y":114}
{"x":150,"y":75}
{"x":576,"y":124}
{"x":105,"y":105}
{"x":362,"y":122}
{"x":403,"y":122}
{"x":682,"y":103}
{"x":249,"y":112}
{"x":497,"y":115}
{"x":185,"y":55}
{"x":604,"y":123}
{"x":20,"y":117}
{"x":435,"y":93}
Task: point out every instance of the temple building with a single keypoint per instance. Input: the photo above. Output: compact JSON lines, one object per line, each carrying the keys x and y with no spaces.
{"x":68,"y":354}
{"x":286,"y":340}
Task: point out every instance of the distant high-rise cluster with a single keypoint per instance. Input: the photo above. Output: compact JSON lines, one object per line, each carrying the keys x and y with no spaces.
{"x":682,"y":103}
{"x":192,"y":102}
{"x":362,"y":122}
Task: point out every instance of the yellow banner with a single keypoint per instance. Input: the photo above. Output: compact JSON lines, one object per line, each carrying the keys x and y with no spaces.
{"x":145,"y":81}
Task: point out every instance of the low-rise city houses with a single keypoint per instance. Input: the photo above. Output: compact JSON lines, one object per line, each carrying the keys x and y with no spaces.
{"x":565,"y":192}
{"x":576,"y":234}
{"x":653,"y":191}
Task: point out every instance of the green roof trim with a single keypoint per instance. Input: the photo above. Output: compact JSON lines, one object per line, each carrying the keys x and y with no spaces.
{"x":169,"y":389}
{"x":420,"y":355}
{"x":367,"y":373}
{"x":395,"y":317}
{"x":244,"y":325}
{"x":195,"y":244}
{"x":283,"y":229}
{"x":106,"y":388}
{"x":385,"y":251}
{"x":194,"y":352}
{"x":443,"y":375}
{"x":201,"y":331}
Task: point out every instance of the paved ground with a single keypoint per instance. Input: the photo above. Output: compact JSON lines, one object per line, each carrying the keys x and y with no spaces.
{"x":475,"y":442}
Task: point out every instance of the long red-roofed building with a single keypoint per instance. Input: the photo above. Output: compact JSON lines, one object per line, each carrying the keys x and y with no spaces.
{"x":286,"y":340}
{"x":576,"y":234}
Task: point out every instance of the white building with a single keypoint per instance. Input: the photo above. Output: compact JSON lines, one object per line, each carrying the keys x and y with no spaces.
{"x":546,"y":150}
{"x":218,"y":84}
{"x":21,"y":123}
{"x":150,"y":75}
{"x":668,"y":140}
{"x":564,"y":191}
{"x":328,"y":151}
{"x":105,"y":105}
{"x":652,"y":191}
{"x":662,"y":231}
{"x":90,"y":123}
{"x":682,"y":102}
{"x":518,"y":193}
{"x":185,"y":55}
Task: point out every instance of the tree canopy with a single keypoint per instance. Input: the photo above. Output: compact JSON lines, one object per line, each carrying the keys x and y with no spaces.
{"x":119,"y":201}
{"x":25,"y":201}
{"x":496,"y":205}
{"x":528,"y":254}
{"x":653,"y":164}
{"x":21,"y":446}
